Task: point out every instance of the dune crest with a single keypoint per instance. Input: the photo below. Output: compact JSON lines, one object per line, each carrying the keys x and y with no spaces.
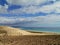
{"x":16,"y":32}
{"x":12,"y":31}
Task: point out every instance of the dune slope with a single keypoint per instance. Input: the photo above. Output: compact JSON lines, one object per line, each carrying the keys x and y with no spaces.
{"x":12,"y":31}
{"x":5,"y":30}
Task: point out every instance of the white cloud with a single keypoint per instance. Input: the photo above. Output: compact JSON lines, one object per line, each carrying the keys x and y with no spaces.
{"x":12,"y":20}
{"x":26,"y":2}
{"x":49,"y":19}
{"x":5,"y":20}
{"x":34,"y":6}
{"x":51,"y":8}
{"x":32,"y":9}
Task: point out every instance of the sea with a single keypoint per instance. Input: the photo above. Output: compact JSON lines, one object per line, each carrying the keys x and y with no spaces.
{"x":42,"y":29}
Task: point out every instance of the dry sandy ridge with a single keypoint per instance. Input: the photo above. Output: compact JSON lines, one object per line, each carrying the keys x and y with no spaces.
{"x":6,"y":30}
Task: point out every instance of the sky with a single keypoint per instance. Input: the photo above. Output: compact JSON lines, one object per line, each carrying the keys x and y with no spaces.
{"x":30,"y":13}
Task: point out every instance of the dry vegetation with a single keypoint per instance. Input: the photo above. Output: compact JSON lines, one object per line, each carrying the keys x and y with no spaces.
{"x":30,"y":40}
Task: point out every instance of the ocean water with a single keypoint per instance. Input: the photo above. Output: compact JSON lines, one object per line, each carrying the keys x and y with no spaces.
{"x":42,"y":29}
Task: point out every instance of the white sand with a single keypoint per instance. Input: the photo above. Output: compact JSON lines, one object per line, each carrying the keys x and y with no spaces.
{"x":16,"y":32}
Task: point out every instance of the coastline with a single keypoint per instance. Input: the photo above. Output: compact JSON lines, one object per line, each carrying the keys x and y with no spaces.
{"x":17,"y":31}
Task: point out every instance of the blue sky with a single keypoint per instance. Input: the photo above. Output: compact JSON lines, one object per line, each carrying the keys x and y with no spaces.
{"x":30,"y":13}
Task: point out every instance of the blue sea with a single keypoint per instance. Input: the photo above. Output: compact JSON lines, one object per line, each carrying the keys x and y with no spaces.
{"x":42,"y":29}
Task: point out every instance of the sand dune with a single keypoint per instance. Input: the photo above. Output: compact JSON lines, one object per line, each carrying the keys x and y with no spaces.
{"x":15,"y":36}
{"x":5,"y":30}
{"x":12,"y":31}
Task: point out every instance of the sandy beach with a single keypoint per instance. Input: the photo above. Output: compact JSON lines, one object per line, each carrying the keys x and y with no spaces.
{"x":15,"y":36}
{"x":18,"y":32}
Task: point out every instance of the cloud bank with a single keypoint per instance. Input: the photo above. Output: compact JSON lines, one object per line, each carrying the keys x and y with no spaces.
{"x":37,"y":13}
{"x":38,"y":21}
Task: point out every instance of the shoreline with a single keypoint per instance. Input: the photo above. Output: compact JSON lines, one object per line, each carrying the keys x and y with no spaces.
{"x":17,"y":31}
